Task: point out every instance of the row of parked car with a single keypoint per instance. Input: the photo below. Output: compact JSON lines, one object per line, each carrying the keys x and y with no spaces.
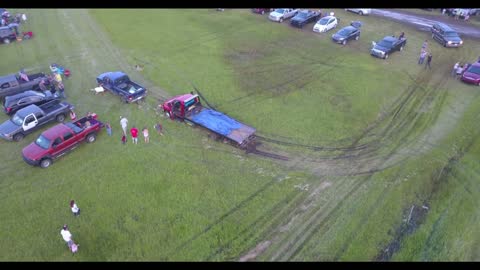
{"x":441,"y":32}
{"x":299,"y":18}
{"x":31,"y":108}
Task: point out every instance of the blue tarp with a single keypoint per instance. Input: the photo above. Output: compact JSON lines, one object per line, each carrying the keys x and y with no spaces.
{"x":216,"y":121}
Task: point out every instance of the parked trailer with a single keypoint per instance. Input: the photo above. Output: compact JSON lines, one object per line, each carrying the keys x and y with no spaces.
{"x":188,"y":108}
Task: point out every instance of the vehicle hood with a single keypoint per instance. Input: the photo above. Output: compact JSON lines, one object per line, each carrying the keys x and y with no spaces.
{"x":471,"y":75}
{"x":33,"y":151}
{"x":455,"y":39}
{"x":8,"y":127}
{"x":380,"y":48}
{"x":275,"y":14}
{"x":337,"y":36}
{"x":320,"y":26}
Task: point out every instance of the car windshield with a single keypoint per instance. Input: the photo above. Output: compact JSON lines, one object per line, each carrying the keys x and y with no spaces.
{"x":474,"y":69}
{"x":17,"y":120}
{"x":42,"y":142}
{"x":451,"y":34}
{"x":323,"y":21}
{"x":344,"y":32}
{"x":279,"y":10}
{"x":303,"y":14}
{"x":385,"y":43}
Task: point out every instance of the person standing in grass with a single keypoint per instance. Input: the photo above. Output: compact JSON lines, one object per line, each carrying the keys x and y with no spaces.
{"x":108,"y":128}
{"x":123,"y":123}
{"x":134,"y":133}
{"x":74,"y":207}
{"x":145,"y":134}
{"x":158,"y":127}
{"x":454,"y":70}
{"x":66,"y":235}
{"x":429,"y":60}
{"x":423,"y":54}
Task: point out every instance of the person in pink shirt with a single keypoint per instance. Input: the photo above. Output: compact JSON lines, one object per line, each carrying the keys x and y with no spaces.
{"x":145,"y":134}
{"x":134,"y":133}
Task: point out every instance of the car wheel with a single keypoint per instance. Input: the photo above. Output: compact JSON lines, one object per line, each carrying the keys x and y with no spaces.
{"x":433,"y":36}
{"x":263,"y":12}
{"x":60,"y":118}
{"x":281,"y":20}
{"x":360,"y":13}
{"x":386,"y":56}
{"x":357,"y":37}
{"x":18,"y":137}
{"x":445,"y":44}
{"x":6,"y":40}
{"x":45,"y":163}
{"x":344,"y":42}
{"x":91,"y":138}
{"x":401,"y":48}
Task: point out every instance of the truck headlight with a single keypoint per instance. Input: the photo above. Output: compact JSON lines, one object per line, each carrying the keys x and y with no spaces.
{"x":449,"y":42}
{"x":461,"y":41}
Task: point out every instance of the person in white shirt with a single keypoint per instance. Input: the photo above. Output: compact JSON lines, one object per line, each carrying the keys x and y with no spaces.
{"x":123,"y":123}
{"x":74,"y":207}
{"x":66,"y":235}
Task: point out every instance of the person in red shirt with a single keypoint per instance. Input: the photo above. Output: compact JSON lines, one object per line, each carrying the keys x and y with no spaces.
{"x":134,"y":133}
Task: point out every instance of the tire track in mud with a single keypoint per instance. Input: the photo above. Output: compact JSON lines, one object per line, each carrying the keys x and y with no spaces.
{"x":396,"y":123}
{"x":299,"y":241}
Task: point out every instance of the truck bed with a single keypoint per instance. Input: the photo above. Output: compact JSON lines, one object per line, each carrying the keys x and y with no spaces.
{"x":222,"y":124}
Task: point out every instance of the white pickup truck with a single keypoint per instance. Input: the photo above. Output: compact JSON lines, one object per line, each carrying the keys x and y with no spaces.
{"x":281,"y":14}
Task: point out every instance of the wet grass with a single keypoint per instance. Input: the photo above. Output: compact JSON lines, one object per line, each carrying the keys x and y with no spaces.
{"x":186,"y":197}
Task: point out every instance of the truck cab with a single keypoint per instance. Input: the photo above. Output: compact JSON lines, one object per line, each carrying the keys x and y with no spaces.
{"x":180,"y":106}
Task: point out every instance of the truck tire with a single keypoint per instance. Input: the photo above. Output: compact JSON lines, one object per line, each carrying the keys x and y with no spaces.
{"x":360,"y":13}
{"x":344,"y":42}
{"x":401,"y":48}
{"x":91,"y":138}
{"x":167,"y":114}
{"x":45,"y":163}
{"x":18,"y":137}
{"x":60,"y":118}
{"x":386,"y":56}
{"x":281,"y":20}
{"x":357,"y":37}
{"x":6,"y":40}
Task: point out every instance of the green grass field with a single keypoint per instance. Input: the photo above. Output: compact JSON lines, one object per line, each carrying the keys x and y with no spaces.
{"x":382,"y":153}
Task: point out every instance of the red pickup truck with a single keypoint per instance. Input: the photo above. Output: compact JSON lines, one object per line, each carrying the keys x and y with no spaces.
{"x":61,"y":139}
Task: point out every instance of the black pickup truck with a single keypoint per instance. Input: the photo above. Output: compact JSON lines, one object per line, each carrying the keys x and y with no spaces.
{"x":387,"y":45}
{"x":120,"y":84}
{"x":30,"y":118}
{"x":12,"y":84}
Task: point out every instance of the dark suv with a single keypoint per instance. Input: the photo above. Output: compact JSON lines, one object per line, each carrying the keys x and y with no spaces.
{"x":7,"y":34}
{"x":11,"y":104}
{"x":446,"y":35}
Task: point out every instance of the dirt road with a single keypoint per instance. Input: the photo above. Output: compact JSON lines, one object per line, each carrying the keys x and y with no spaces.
{"x":424,"y":22}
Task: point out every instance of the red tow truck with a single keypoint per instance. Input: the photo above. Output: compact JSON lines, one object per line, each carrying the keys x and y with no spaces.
{"x":61,"y":139}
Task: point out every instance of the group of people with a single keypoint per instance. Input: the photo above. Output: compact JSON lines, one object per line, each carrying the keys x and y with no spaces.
{"x":65,"y":232}
{"x":425,"y":54}
{"x":53,"y":83}
{"x":134,"y":131}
